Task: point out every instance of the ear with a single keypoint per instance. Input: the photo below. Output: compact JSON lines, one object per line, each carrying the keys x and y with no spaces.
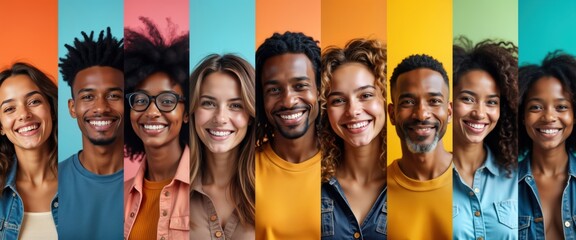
{"x":71,"y":109}
{"x":391,"y":113}
{"x":2,"y":131}
{"x":186,"y":118}
{"x":449,"y":112}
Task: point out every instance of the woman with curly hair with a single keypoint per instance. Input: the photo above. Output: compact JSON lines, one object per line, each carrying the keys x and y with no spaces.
{"x":28,"y":154}
{"x":156,"y":204}
{"x":547,"y":171}
{"x":485,"y":79}
{"x":222,"y":139}
{"x":353,"y":141}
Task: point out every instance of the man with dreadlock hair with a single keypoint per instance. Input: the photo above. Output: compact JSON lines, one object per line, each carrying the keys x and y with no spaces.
{"x":91,"y":181}
{"x":288,"y":156}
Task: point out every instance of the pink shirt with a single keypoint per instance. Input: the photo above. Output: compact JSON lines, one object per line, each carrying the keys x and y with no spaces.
{"x":174,"y":222}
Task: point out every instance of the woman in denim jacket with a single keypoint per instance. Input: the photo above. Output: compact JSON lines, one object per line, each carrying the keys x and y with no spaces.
{"x":28,"y":154}
{"x":353,"y":141}
{"x":547,"y":171}
{"x":485,"y":127}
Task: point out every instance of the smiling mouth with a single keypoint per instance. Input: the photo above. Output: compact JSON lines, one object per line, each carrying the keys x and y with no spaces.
{"x":291,"y":116}
{"x":549,"y":131}
{"x":357,"y":125}
{"x":153,"y":127}
{"x":24,"y":130}
{"x":100,"y":123}
{"x":477,"y":126}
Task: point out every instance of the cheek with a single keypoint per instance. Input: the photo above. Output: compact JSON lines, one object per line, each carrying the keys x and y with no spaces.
{"x":240,"y":120}
{"x":494,"y":114}
{"x":201,"y":117}
{"x":334,"y":114}
{"x":134,"y":116}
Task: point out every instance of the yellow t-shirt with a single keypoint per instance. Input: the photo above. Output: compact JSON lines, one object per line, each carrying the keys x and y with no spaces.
{"x":419,"y":209}
{"x":287,"y":197}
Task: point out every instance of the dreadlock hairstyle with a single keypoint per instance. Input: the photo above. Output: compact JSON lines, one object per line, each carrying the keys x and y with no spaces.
{"x":558,"y":65}
{"x":49,"y":91}
{"x":242,"y":181}
{"x":371,"y":54}
{"x":500,"y":60}
{"x":279,"y":44}
{"x":107,"y":51}
{"x":415,"y":62}
{"x":148,"y":52}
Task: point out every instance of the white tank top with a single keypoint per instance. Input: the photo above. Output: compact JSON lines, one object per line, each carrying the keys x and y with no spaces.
{"x":38,"y":225}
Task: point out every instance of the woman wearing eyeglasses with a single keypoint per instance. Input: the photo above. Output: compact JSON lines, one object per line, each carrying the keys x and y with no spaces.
{"x":156,"y":200}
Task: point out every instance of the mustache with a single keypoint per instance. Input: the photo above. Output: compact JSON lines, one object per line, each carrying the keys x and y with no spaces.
{"x":297,"y":107}
{"x":416,"y":122}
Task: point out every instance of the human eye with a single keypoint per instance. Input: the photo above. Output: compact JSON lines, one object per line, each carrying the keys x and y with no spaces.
{"x":208,"y":104}
{"x":273,"y":91}
{"x":114,"y":96}
{"x":407,"y":102}
{"x":337,"y":101}
{"x":493,"y":102}
{"x":236,"y":106}
{"x":87,"y":97}
{"x":436,"y":101}
{"x":34,"y":102}
{"x":8,"y":109}
{"x":467,"y":99}
{"x":301,"y":86}
{"x":535,"y":107}
{"x":366,"y":95}
{"x":562,"y":107}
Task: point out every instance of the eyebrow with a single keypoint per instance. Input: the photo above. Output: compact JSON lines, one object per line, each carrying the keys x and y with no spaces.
{"x":25,"y":96}
{"x":355,"y":90}
{"x":542,"y":100}
{"x":214,"y":99}
{"x":274,"y":81}
{"x":92,"y":89}
{"x":474,"y":94}
{"x":411,"y":95}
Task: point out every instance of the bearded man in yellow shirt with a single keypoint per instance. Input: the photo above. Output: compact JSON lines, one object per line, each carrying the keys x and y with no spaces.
{"x":288,"y":156}
{"x":420,"y":183}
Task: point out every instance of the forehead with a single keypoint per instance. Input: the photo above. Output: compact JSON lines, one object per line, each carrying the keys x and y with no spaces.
{"x":349,"y":75}
{"x":421,"y":80}
{"x":158,"y":82}
{"x":549,"y":86}
{"x":287,"y":66}
{"x":477,"y":79}
{"x":220,"y":84}
{"x":98,"y":78}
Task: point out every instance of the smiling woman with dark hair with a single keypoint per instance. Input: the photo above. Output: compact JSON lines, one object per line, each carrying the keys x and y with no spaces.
{"x":28,"y":172}
{"x":547,"y":171}
{"x":485,"y":79}
{"x":156,"y":202}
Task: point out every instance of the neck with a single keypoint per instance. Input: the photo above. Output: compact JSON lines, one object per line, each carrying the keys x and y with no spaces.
{"x":362,"y":164}
{"x":220,"y":168}
{"x":34,"y":165}
{"x":549,"y":161}
{"x":469,"y":157}
{"x":163,"y":162}
{"x":296,"y":150}
{"x":425,"y":166}
{"x":102,"y":159}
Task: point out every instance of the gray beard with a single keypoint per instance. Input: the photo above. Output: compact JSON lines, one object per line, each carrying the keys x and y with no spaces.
{"x":422,"y":148}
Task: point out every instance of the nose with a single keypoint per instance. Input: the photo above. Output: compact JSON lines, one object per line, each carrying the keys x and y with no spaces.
{"x":289,"y":98}
{"x":152,"y":111}
{"x":549,"y":114}
{"x":421,"y":111}
{"x":101,"y":105}
{"x":354,"y":108}
{"x":24,"y":113}
{"x":479,"y":111}
{"x":221,"y":116}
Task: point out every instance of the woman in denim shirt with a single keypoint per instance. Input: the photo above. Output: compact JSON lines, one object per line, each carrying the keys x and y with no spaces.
{"x":353,"y":141}
{"x":28,"y":161}
{"x":547,"y":171}
{"x":485,"y":191}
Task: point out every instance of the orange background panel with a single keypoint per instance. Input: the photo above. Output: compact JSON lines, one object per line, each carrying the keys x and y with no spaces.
{"x":30,"y":34}
{"x":344,"y":20}
{"x":281,"y":16}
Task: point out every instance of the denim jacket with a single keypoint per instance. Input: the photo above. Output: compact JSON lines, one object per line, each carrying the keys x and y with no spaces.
{"x":530,"y":217}
{"x":338,"y":221}
{"x":12,"y":207}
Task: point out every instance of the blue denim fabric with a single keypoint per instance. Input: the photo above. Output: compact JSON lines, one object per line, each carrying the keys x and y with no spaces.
{"x":488,"y":209}
{"x":12,"y":207}
{"x":338,"y":221}
{"x":530,"y":217}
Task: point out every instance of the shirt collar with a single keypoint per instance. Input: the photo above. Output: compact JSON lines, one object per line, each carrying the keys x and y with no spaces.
{"x":11,"y":177}
{"x":490,"y":162}
{"x":572,"y":163}
{"x":182,"y":172}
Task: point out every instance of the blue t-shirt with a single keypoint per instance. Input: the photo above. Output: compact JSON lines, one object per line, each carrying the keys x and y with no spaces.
{"x":91,"y":206}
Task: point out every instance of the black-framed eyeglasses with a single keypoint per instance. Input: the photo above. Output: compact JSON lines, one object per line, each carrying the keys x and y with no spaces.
{"x":165,"y":101}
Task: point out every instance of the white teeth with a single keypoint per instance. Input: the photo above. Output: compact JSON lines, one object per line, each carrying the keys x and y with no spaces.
{"x":219,"y":133}
{"x":549,"y":131}
{"x":28,"y":128}
{"x":100,"y":123}
{"x":357,"y":125}
{"x":291,"y":116}
{"x":476,"y":125}
{"x":153,"y":127}
{"x":423,"y":129}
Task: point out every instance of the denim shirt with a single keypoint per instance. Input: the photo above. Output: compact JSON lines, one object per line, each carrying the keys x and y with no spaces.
{"x":12,"y":207}
{"x":338,"y":221}
{"x":530,"y":217}
{"x":488,"y":209}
